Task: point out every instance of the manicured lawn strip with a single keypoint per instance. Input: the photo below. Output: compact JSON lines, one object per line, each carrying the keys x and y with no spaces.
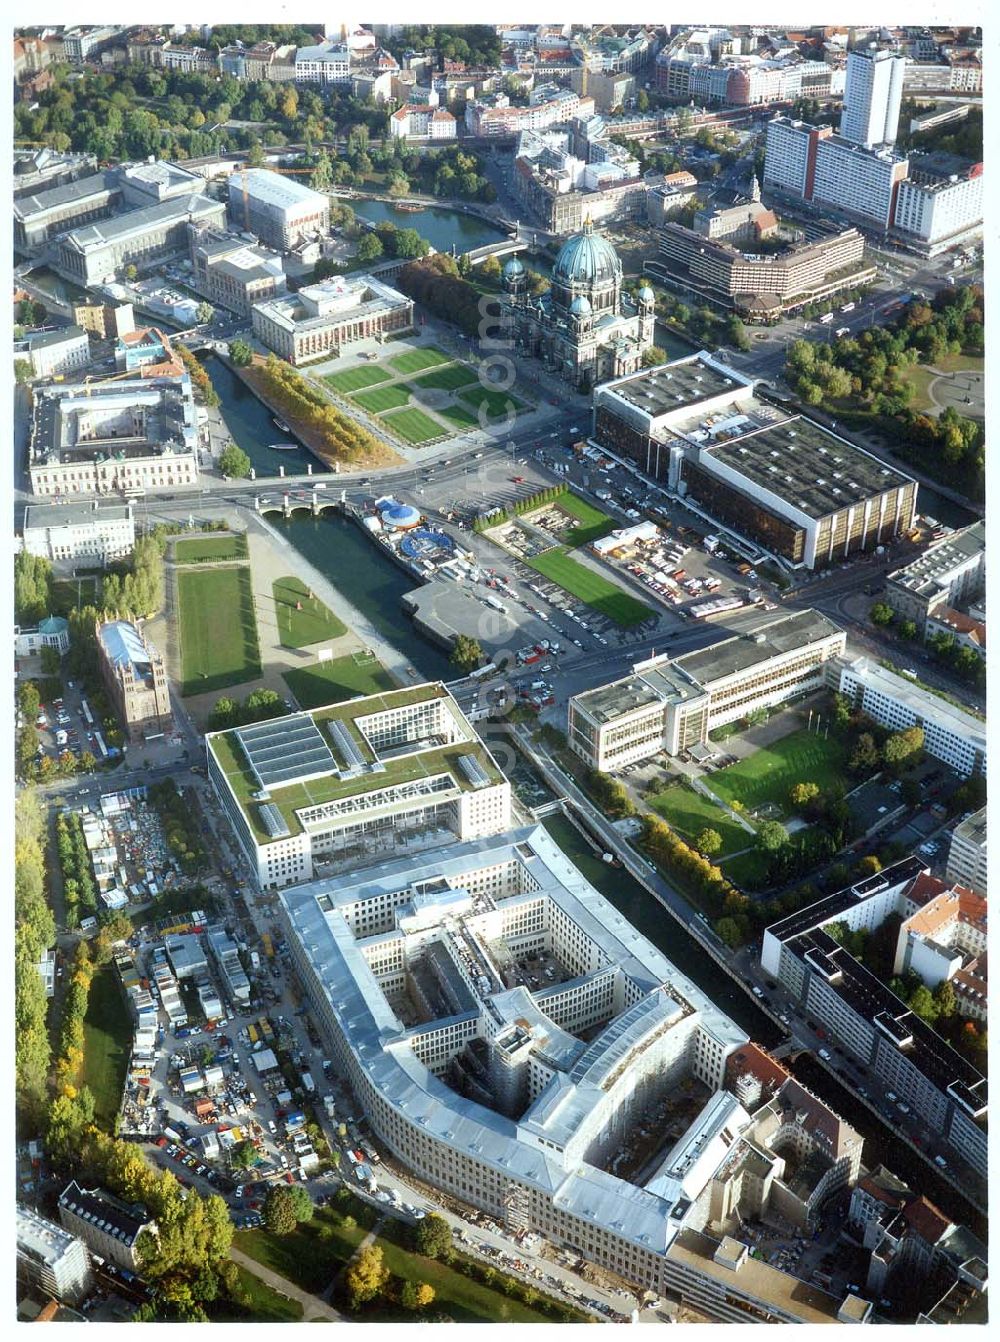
{"x":769,"y":773}
{"x":264,"y":1304}
{"x":498,"y":403}
{"x":413,"y":425}
{"x":382,"y":398}
{"x":591,"y":522}
{"x":457,"y":414}
{"x":311,"y":624}
{"x":415,"y":360}
{"x":331,"y":682}
{"x":689,"y":813}
{"x":68,"y":593}
{"x":456,"y":375}
{"x":353,"y":379}
{"x":107,"y":1042}
{"x":218,"y":630}
{"x":199,"y":549}
{"x":558,"y":566}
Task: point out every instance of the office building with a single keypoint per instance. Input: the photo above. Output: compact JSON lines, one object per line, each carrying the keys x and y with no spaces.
{"x":872,"y":95}
{"x":321,"y":319}
{"x":967,"y":853}
{"x":109,"y":1227}
{"x":420,"y":121}
{"x":40,"y":216}
{"x":96,"y":253}
{"x":49,"y":353}
{"x":280,"y":210}
{"x":951,"y":735}
{"x":91,"y":533}
{"x":135,"y":677}
{"x":670,"y":704}
{"x":950,"y":574}
{"x":940,"y":204}
{"x":762,"y":287}
{"x":352,"y":782}
{"x":327,"y":63}
{"x":870,"y":1022}
{"x":113,"y":437}
{"x":234,"y":273}
{"x":580,"y":328}
{"x":50,"y":1259}
{"x":800,"y":492}
{"x":514,"y":1087}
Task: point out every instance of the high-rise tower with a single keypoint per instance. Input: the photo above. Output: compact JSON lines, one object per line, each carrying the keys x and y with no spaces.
{"x":872,"y":95}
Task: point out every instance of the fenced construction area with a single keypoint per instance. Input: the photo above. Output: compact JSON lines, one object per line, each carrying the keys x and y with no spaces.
{"x":217,"y":628}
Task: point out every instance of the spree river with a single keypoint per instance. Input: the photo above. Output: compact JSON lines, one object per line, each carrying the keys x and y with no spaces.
{"x":443,"y":229}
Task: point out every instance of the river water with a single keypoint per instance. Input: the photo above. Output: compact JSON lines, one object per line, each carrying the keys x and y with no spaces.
{"x":443,"y":229}
{"x":252,"y":427}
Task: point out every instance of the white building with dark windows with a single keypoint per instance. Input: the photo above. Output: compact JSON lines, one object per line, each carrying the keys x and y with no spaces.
{"x":327,"y":63}
{"x":355,"y":783}
{"x":64,"y":350}
{"x":951,"y":735}
{"x":940,"y":203}
{"x":967,"y":853}
{"x":873,"y":93}
{"x":51,"y":1259}
{"x":66,"y":532}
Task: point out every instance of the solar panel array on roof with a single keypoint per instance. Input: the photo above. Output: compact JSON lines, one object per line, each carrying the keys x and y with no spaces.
{"x":473,"y":771}
{"x":346,"y":745}
{"x":285,"y":749}
{"x":273,"y":821}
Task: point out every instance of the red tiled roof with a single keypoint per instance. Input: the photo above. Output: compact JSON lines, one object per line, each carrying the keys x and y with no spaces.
{"x":925,"y":1219}
{"x":759,"y":1063}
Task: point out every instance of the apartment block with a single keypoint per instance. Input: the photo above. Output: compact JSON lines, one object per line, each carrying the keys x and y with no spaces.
{"x":51,"y":1259}
{"x":671,"y":704}
{"x":872,"y":95}
{"x":939,"y":204}
{"x":48,"y":353}
{"x":951,"y":735}
{"x":356,"y":783}
{"x":967,"y":853}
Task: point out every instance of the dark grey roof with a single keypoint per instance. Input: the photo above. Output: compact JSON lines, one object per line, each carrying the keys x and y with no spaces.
{"x":98,"y":1207}
{"x":783,"y":634}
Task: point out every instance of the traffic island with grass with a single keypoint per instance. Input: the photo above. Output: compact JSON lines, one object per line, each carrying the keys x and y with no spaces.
{"x":302,"y":617}
{"x":217,"y":629}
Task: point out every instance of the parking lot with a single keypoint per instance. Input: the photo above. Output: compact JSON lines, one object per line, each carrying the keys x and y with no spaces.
{"x":64,"y":725}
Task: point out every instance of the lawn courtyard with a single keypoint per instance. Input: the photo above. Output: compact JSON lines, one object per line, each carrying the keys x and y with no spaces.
{"x":217,"y":628}
{"x":767,"y":776}
{"x":689,"y":812}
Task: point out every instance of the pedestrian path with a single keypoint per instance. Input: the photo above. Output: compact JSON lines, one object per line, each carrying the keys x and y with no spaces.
{"x":368,"y":1240}
{"x":313,"y":1307}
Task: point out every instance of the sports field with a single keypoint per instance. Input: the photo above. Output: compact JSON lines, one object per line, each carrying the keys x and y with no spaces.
{"x":455,"y":375}
{"x":416,"y":360}
{"x":353,"y":379}
{"x":382,"y":398}
{"x":769,"y":773}
{"x":559,"y":566}
{"x":311,"y":624}
{"x":342,"y":678}
{"x":414,"y":425}
{"x":591,"y":522}
{"x":218,"y":629}
{"x":205,"y":549}
{"x":689,"y":813}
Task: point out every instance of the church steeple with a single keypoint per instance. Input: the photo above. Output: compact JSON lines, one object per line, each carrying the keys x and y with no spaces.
{"x":755,"y":190}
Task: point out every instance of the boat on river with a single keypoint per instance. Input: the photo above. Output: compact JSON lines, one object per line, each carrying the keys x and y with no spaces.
{"x":283,"y":447}
{"x":282,"y":425}
{"x":410,"y":207}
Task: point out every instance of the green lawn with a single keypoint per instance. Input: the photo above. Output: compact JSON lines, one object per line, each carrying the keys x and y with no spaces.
{"x":353,"y":379}
{"x":311,"y":624}
{"x":383,"y":398}
{"x":413,"y":425}
{"x":303,"y":1257}
{"x":218,"y":629}
{"x":415,"y":360}
{"x":557,"y":565}
{"x":591,"y":522}
{"x":498,"y":403}
{"x":107,"y":1042}
{"x":69,"y":593}
{"x":457,"y":414}
{"x":769,"y":773}
{"x":198,"y":549}
{"x":263,"y":1303}
{"x":689,"y":813}
{"x":341,"y":678}
{"x":455,"y":375}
